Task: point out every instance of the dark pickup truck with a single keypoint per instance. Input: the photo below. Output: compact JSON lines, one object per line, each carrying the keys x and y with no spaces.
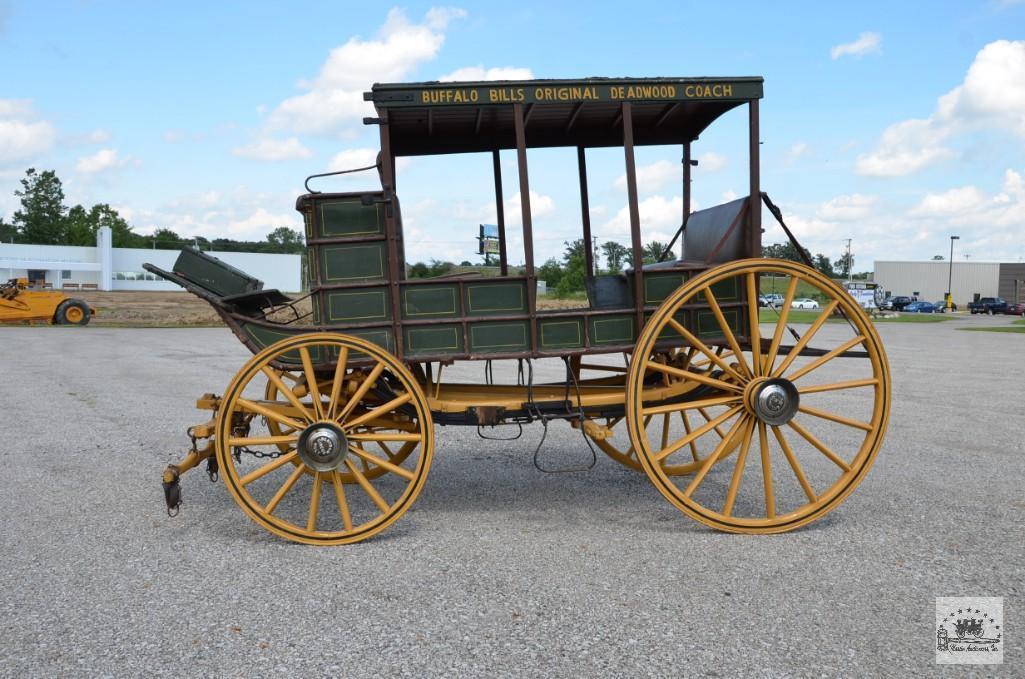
{"x":988,"y":305}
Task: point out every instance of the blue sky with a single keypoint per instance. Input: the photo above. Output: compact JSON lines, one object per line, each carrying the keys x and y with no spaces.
{"x":894,"y":124}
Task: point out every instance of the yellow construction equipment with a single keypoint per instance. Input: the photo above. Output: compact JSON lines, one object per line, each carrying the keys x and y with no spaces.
{"x":18,"y":304}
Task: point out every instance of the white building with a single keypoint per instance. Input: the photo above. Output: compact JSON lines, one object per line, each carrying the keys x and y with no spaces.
{"x":968,"y":280}
{"x":110,"y":268}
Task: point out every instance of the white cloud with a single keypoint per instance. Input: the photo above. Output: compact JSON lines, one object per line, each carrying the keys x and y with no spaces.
{"x":711,"y":162}
{"x":273,"y":150}
{"x":952,"y":202}
{"x":258,"y":223}
{"x":991,"y":96}
{"x":102,"y":160}
{"x":540,"y":206}
{"x":653,"y":178}
{"x":334,"y":104}
{"x":173,"y":136}
{"x":796,"y":151}
{"x":867,"y":43}
{"x":239,"y":214}
{"x":476,"y":73}
{"x":21,"y":135}
{"x":98,"y":137}
{"x":847,"y":208}
{"x":659,"y":216}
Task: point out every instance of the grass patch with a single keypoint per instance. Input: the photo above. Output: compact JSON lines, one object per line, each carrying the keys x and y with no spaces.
{"x":795,"y":316}
{"x":916,"y":318}
{"x":807,"y":316}
{"x":1019,"y":329}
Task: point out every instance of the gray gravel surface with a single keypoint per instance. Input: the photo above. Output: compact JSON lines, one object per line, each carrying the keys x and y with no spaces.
{"x":497,"y":570}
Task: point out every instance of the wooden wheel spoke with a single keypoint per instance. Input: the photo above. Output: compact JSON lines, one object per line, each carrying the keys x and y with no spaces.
{"x":825,"y":358}
{"x":738,"y":470}
{"x":367,"y":488}
{"x":261,"y":440}
{"x":343,"y":505}
{"x":337,"y":383}
{"x":754,"y":331}
{"x":361,"y":391}
{"x":384,"y":436}
{"x":805,"y":338}
{"x":287,"y":392}
{"x":687,"y":430}
{"x":691,"y":405}
{"x":697,"y":377}
{"x":311,"y":382}
{"x":665,"y":430}
{"x":700,"y":431}
{"x":296,"y":474}
{"x":835,"y":386}
{"x":713,"y":303}
{"x":820,"y":446}
{"x":269,"y":413}
{"x":770,"y":497}
{"x":268,"y":468}
{"x":714,"y":457}
{"x":379,"y":410}
{"x":781,"y":324}
{"x":311,"y":520}
{"x":703,"y":348}
{"x":833,"y":417}
{"x":792,"y":459}
{"x":708,"y":418}
{"x":385,"y":464}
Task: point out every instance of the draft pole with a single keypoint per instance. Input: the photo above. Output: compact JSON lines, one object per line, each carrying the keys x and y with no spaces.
{"x":585,"y":214}
{"x":528,"y":228}
{"x":635,"y":217}
{"x":503,"y":259}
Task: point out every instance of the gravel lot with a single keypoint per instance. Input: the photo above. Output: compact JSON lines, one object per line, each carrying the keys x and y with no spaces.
{"x":497,"y":570}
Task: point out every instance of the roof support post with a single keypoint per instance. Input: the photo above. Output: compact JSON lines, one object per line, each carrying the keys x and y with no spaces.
{"x":635,"y":217}
{"x":754,"y":214}
{"x":686,"y":191}
{"x":528,"y":228}
{"x":392,"y":230}
{"x":503,"y":260}
{"x":585,"y":213}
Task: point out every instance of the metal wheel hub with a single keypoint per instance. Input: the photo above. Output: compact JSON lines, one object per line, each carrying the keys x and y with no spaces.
{"x":322,"y":447}
{"x":774,"y":400}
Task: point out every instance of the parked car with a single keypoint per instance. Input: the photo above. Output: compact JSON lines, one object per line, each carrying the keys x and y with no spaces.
{"x":921,"y":308}
{"x":1016,"y":309}
{"x":804,"y":303}
{"x":988,"y":305}
{"x":896,"y":303}
{"x":773,"y":299}
{"x":941,"y":306}
{"x":762,"y":301}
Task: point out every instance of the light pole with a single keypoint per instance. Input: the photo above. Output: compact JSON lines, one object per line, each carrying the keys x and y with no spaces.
{"x":950,"y":273}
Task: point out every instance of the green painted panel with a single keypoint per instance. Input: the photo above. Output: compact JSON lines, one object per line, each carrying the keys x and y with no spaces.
{"x":359,"y":305}
{"x":561,"y":333}
{"x":264,"y":337}
{"x":726,"y":290}
{"x":433,"y":339}
{"x":349,"y":217}
{"x":708,"y":326}
{"x":430,"y":301}
{"x":379,"y":336}
{"x":498,"y":337}
{"x":612,"y":330}
{"x":490,"y":299}
{"x":347,"y":263}
{"x":659,"y":286}
{"x":668,"y":333}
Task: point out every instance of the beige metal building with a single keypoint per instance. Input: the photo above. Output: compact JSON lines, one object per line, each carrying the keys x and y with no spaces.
{"x":969,"y":280}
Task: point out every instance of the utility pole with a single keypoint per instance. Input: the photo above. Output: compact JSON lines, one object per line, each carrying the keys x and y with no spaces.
{"x":848,"y":262}
{"x":950,"y":273}
{"x":594,"y":250}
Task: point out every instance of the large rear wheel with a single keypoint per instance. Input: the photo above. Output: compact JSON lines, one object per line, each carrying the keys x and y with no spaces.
{"x":798,"y":456}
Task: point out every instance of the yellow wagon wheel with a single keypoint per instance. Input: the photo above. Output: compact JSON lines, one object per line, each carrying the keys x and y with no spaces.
{"x":612,"y":437}
{"x":329,"y":434}
{"x":295,"y":381}
{"x":799,"y":457}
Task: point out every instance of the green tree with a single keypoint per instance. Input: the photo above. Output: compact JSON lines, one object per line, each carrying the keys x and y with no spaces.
{"x":615,"y":254}
{"x":785,"y":251}
{"x":166,"y":239}
{"x":79,"y":228}
{"x":572,"y":279}
{"x":41,"y":217}
{"x":653,"y":251}
{"x":823,"y":264}
{"x":844,"y":265}
{"x":8,"y":232}
{"x":284,"y":239}
{"x":551,"y":273}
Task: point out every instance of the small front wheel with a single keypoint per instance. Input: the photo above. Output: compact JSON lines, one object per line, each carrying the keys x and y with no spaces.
{"x":298,"y":478}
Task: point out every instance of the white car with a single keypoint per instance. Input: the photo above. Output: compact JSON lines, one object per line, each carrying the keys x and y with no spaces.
{"x":804,"y":303}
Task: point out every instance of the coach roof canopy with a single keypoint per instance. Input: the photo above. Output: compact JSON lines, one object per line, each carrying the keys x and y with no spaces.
{"x":459,"y":117}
